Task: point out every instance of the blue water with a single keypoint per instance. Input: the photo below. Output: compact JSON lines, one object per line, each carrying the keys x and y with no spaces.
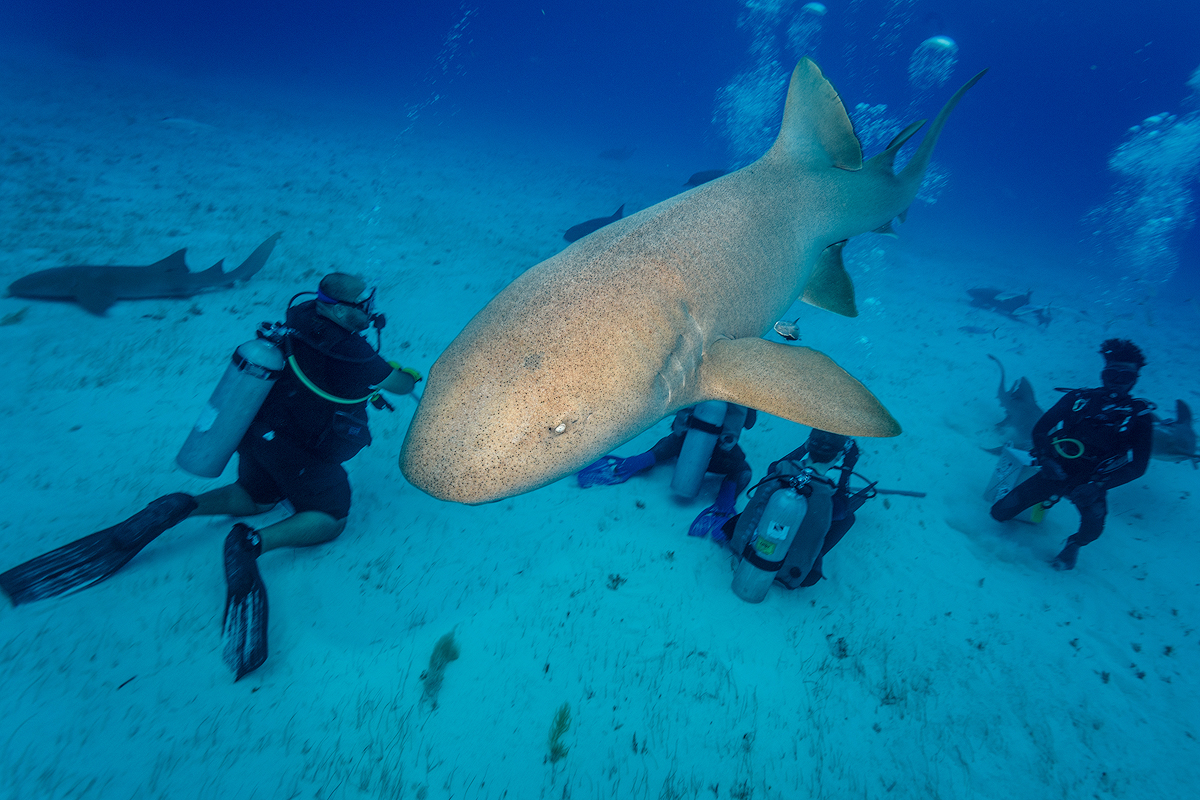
{"x":1026,"y":199}
{"x":1027,"y":156}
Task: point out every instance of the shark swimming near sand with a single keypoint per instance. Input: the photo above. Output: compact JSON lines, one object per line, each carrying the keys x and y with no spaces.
{"x":96,"y":288}
{"x":1021,"y":411}
{"x":664,"y":309}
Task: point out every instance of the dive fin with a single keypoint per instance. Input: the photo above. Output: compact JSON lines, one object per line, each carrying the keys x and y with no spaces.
{"x":94,"y":558}
{"x":830,"y":287}
{"x":795,"y":383}
{"x":244,"y":632}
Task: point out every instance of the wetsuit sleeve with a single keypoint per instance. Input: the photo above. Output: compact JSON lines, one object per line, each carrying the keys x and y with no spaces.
{"x":1056,"y":414}
{"x":1143,"y":440}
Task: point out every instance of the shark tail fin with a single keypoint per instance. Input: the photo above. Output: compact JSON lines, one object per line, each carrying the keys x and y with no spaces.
{"x":816,"y":130}
{"x":256,"y":260}
{"x":914,"y":170}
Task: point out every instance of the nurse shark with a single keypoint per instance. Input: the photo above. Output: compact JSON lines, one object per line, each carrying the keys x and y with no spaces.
{"x":665,"y":309}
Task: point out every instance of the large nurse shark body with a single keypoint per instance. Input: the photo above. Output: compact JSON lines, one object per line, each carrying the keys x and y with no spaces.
{"x":664,"y":309}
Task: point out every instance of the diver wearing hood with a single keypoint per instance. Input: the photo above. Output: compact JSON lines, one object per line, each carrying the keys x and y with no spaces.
{"x":1090,"y":441}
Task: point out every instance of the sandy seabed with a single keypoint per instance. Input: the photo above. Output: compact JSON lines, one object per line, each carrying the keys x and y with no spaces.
{"x":942,"y":657}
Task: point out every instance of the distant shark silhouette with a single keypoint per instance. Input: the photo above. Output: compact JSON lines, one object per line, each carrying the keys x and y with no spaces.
{"x":704,"y":176}
{"x":1175,"y":439}
{"x":576,"y":232}
{"x":1010,"y":304}
{"x":664,"y":309}
{"x":96,"y":287}
{"x":1020,"y":407}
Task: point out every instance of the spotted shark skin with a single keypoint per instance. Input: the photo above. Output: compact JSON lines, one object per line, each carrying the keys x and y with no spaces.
{"x":664,"y":309}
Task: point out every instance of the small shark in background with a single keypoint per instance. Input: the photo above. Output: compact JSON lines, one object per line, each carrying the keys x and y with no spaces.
{"x":705,"y":176}
{"x":98,"y":287}
{"x":1020,"y":407}
{"x":1010,"y":304}
{"x":584,"y":228}
{"x":618,"y":153}
{"x":1175,"y":439}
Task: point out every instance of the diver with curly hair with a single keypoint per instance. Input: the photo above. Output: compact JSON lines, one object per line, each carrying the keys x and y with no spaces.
{"x":1091,"y":441}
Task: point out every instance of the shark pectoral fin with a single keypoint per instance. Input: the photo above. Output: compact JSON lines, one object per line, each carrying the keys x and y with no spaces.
{"x":95,"y":297}
{"x":830,"y":287}
{"x":795,"y":383}
{"x":816,"y":130}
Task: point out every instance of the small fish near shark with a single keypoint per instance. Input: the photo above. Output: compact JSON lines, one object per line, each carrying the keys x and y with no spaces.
{"x":1011,"y":304}
{"x":665,"y":309}
{"x":1174,"y":439}
{"x":96,"y":288}
{"x":576,"y":232}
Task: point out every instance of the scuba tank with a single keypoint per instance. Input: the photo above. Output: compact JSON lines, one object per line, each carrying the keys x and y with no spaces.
{"x":704,"y":427}
{"x":1014,"y":467}
{"x":768,"y":545}
{"x":226,"y":417}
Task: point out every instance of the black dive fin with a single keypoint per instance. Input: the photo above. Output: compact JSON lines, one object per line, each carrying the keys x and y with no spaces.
{"x":94,"y":558}
{"x":244,"y":632}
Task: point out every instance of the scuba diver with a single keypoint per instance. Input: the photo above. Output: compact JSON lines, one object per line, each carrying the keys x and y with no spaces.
{"x":703,"y":438}
{"x":311,"y":419}
{"x":784,"y":541}
{"x":1090,"y":441}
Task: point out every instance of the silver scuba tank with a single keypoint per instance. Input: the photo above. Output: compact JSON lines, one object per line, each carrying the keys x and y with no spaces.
{"x":768,"y":545}
{"x":697,"y":450}
{"x":226,"y":417}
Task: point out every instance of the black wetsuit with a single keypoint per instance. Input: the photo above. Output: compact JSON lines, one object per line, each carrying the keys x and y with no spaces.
{"x":298,"y":439}
{"x":1098,"y":436}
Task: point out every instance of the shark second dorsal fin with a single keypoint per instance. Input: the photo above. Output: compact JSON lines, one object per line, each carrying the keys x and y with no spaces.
{"x":830,"y":287}
{"x":816,"y":131}
{"x":176,"y":262}
{"x":795,"y":383}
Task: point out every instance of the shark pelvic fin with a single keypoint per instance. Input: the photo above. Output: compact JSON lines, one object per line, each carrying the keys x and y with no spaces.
{"x":830,"y":287}
{"x":795,"y":383}
{"x":816,"y":131}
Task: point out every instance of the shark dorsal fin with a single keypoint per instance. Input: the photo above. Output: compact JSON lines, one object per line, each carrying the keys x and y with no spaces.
{"x":816,"y":130}
{"x":176,"y":262}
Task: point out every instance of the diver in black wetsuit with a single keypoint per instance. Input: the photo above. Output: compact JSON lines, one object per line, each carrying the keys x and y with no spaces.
{"x":831,"y":505}
{"x":1091,"y":441}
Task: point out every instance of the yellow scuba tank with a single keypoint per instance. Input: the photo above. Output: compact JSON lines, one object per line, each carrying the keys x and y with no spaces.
{"x":226,"y":417}
{"x":703,"y":430}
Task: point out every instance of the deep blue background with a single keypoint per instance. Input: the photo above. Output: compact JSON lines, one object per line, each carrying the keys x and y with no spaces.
{"x":1027,"y":149}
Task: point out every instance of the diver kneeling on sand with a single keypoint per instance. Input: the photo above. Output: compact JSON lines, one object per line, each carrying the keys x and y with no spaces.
{"x":703,"y":439}
{"x":1091,"y":441}
{"x":293,"y":423}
